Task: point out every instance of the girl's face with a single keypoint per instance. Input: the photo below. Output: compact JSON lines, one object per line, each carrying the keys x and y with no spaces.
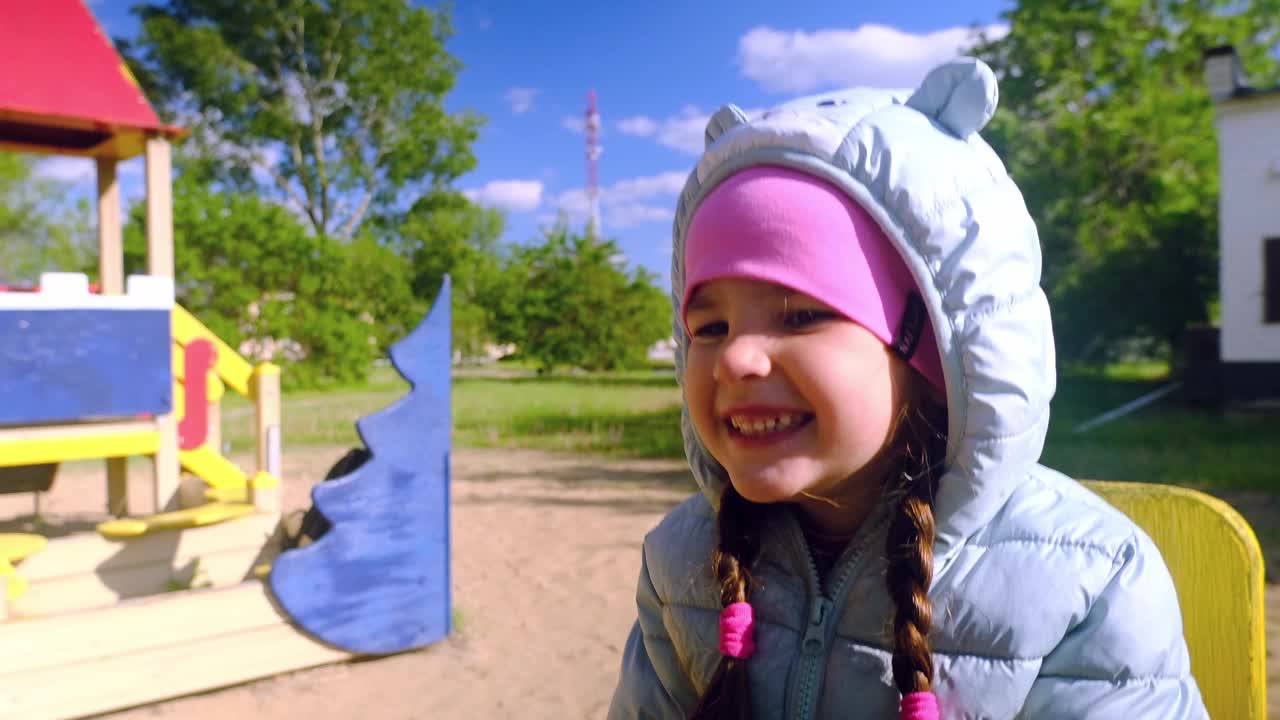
{"x":795,"y":400}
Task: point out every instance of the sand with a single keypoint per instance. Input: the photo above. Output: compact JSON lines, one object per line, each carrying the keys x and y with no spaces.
{"x":546,"y":549}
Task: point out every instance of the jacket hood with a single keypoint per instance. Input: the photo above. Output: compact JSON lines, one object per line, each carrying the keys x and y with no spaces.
{"x":914,"y":160}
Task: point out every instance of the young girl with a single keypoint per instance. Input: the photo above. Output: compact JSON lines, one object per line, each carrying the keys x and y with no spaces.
{"x":867,"y":362}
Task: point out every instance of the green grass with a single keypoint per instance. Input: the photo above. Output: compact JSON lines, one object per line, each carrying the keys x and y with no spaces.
{"x":637,"y":414}
{"x":629,"y":414}
{"x":1164,"y":443}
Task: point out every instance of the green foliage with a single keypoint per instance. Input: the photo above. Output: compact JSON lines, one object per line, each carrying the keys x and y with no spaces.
{"x":565,"y":302}
{"x":251,"y":272}
{"x":39,"y":230}
{"x":336,"y":106}
{"x":1107,"y":126}
{"x":445,"y":233}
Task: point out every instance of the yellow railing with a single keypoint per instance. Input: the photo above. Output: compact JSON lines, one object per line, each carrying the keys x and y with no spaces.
{"x":231,"y":369}
{"x":261,"y":385}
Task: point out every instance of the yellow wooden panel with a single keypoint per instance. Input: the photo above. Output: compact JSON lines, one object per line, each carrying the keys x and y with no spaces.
{"x":50,"y":449}
{"x":205,"y":463}
{"x":234,"y":370}
{"x":15,"y":586}
{"x":1217,"y":567}
{"x":16,"y":547}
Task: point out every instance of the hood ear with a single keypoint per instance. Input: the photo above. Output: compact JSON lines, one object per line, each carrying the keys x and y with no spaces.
{"x":726,"y":118}
{"x":961,"y":95}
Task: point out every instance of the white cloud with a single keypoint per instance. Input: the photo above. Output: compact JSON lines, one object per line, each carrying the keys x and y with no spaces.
{"x":870,"y":55}
{"x":66,"y":169}
{"x":574,"y":204}
{"x":520,"y":99}
{"x":573,"y":123}
{"x":625,"y":216}
{"x":627,"y":203}
{"x":667,"y":183}
{"x":638,"y":125}
{"x":510,"y":195}
{"x":685,"y":131}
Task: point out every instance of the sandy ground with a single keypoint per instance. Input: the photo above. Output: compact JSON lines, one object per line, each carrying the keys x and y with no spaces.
{"x":545,"y":552}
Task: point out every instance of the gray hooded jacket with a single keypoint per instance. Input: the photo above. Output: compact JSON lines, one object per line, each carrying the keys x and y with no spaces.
{"x":1047,"y":602}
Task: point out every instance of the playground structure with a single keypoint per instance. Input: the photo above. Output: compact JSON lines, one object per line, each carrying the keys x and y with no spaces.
{"x":200,"y":591}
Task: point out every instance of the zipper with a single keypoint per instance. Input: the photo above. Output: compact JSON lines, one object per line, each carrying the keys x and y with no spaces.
{"x":806,"y":675}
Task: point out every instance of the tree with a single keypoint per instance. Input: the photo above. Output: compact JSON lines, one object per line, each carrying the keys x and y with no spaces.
{"x":39,"y":230}
{"x":252,"y":272}
{"x":1107,"y":126}
{"x":567,"y":302}
{"x":445,"y":233}
{"x":335,"y":106}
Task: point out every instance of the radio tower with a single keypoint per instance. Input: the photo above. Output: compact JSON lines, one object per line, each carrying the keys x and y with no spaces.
{"x":593,"y":153}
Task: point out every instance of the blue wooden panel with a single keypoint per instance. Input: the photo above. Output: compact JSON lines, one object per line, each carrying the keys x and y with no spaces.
{"x":378,"y":580}
{"x":79,"y":364}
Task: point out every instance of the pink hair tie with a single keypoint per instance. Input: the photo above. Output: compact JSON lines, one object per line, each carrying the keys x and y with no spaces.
{"x":737,"y":630}
{"x":919,"y":706}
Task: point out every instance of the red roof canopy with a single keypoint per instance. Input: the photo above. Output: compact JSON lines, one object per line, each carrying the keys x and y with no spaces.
{"x":63,"y":88}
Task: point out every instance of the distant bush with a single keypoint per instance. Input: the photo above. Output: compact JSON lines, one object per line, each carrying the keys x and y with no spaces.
{"x":568,"y":301}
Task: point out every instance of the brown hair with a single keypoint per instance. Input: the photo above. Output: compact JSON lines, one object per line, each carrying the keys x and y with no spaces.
{"x":918,"y":440}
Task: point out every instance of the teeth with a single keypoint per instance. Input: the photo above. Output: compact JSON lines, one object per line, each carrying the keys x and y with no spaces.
{"x":764,"y":425}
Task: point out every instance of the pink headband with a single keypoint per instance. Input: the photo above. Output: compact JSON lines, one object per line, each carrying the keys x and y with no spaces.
{"x":788,"y":227}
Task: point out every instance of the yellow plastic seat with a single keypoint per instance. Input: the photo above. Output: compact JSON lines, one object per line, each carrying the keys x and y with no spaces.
{"x":14,"y":548}
{"x":1217,"y":567}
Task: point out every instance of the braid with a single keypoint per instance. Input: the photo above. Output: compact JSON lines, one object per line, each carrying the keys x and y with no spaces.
{"x":909,"y":546}
{"x":727,"y":696}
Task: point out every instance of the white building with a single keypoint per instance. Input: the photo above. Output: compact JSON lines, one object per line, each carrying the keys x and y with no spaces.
{"x":1248,"y":128}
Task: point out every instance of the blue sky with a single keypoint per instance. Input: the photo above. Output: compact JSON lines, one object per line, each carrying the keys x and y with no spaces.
{"x":659,"y":70}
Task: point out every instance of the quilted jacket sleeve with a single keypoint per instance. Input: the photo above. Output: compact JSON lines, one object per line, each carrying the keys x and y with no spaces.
{"x":651,"y":684}
{"x":1127,"y":657}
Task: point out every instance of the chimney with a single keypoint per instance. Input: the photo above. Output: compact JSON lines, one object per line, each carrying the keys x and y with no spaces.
{"x":1223,"y":73}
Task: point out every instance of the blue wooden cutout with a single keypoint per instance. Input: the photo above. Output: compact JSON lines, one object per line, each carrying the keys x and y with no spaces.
{"x":378,"y":580}
{"x":64,"y":365}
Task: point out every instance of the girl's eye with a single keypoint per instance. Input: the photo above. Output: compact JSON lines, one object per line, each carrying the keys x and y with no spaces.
{"x":797,"y":319}
{"x":711,"y":329}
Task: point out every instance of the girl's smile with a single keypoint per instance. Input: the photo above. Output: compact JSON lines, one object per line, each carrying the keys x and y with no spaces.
{"x":756,"y":426}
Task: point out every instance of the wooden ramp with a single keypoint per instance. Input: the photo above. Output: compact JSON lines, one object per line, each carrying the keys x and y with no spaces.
{"x":146,"y":650}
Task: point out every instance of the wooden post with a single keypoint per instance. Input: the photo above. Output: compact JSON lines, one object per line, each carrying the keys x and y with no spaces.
{"x":111,"y":282}
{"x":266,"y":399}
{"x":166,"y":469}
{"x":159,"y":208}
{"x":214,"y":436}
{"x":110,"y":237}
{"x":160,"y":263}
{"x":118,"y":486}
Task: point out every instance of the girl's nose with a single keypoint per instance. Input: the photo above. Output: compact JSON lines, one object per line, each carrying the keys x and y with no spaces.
{"x":742,"y":357}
